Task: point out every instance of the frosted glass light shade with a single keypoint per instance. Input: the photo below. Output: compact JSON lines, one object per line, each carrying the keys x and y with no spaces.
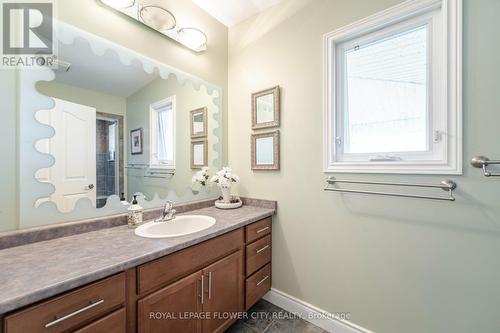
{"x":118,"y":4}
{"x":157,"y":18}
{"x":193,"y":38}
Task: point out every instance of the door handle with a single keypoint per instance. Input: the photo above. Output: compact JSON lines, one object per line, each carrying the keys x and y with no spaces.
{"x":89,"y":187}
{"x":209,"y":285}
{"x":202,"y":288}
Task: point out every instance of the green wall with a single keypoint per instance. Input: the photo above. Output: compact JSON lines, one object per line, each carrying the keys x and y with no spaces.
{"x":396,"y":265}
{"x":9,"y":165}
{"x":187,"y":98}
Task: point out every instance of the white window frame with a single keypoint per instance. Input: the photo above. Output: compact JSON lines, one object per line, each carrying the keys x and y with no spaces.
{"x":154,"y":108}
{"x":447,"y":71}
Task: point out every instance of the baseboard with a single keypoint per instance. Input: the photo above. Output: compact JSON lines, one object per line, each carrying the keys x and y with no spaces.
{"x":312,"y":314}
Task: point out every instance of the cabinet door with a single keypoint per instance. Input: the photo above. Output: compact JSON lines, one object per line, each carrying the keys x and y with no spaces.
{"x":173,"y":309}
{"x":223,"y":293}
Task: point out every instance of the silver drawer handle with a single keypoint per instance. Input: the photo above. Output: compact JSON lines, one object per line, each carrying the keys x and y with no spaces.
{"x":202,"y":288}
{"x":264,"y":248}
{"x":261,"y":230}
{"x":262,"y":281}
{"x":209,"y":285}
{"x":72,"y":314}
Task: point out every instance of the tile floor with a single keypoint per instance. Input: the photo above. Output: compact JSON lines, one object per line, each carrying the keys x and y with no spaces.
{"x":265,"y":317}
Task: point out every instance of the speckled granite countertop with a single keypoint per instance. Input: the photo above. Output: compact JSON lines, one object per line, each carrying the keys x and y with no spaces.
{"x":33,"y":272}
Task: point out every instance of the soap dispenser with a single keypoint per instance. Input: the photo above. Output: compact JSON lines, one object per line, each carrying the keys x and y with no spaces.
{"x":134,"y":218}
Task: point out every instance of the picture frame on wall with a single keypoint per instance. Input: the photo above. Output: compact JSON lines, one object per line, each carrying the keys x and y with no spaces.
{"x":266,"y":108}
{"x":136,"y":141}
{"x":265,"y":151}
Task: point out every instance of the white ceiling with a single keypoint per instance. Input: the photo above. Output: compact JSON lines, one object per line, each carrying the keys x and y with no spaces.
{"x":231,"y":12}
{"x":104,"y":73}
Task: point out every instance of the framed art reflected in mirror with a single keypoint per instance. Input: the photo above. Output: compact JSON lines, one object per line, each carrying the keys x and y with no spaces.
{"x":136,"y":139}
{"x":266,"y":108}
{"x":199,"y":154}
{"x":265,"y":151}
{"x":199,"y":123}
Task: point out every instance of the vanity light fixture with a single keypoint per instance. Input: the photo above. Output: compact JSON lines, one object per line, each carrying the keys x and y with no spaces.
{"x":161,"y":20}
{"x":119,"y":4}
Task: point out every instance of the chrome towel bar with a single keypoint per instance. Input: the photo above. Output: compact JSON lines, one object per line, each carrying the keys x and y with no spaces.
{"x":446,"y":185}
{"x":482,"y":162}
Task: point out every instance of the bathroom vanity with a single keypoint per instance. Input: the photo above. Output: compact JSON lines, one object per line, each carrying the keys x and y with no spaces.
{"x":204,"y":282}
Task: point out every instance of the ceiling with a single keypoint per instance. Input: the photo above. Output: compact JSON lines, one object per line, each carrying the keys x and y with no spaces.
{"x":231,"y":12}
{"x":105,"y":73}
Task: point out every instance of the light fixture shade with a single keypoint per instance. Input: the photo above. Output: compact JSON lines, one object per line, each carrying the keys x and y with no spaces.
{"x":157,"y":18}
{"x":119,"y":4}
{"x":193,"y":38}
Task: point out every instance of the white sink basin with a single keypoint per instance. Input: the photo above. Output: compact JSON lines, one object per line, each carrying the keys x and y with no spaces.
{"x":180,"y":226}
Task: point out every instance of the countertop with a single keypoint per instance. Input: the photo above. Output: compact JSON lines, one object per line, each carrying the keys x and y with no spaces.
{"x":37,"y":271}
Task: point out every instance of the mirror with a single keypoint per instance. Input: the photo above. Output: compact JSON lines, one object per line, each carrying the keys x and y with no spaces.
{"x":266,"y":108}
{"x":199,"y":154}
{"x":265,"y":151}
{"x":199,"y":123}
{"x":111,"y":123}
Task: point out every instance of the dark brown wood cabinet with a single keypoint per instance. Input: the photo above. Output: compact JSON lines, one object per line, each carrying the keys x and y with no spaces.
{"x":175,"y":308}
{"x":200,"y":289}
{"x":224,"y":292}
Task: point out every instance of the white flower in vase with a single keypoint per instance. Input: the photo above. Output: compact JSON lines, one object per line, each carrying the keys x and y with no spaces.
{"x":225,"y":180}
{"x":201,"y":177}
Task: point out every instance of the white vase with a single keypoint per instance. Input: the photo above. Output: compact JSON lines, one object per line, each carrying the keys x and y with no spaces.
{"x":226,"y":194}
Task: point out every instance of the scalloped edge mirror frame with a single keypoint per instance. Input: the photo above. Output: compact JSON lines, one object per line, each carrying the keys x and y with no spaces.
{"x":31,"y":131}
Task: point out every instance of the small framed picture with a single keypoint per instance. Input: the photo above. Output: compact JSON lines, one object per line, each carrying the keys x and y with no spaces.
{"x":199,"y":154}
{"x":266,"y":108}
{"x":266,"y":151}
{"x":199,"y":123}
{"x":136,"y":140}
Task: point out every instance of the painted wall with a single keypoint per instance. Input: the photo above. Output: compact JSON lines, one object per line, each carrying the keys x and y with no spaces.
{"x":187,"y":98}
{"x":395,"y":264}
{"x":8,"y":176}
{"x":211,"y":65}
{"x":102,"y":102}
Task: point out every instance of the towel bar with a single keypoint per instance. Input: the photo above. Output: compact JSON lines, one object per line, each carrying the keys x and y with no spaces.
{"x":446,"y":185}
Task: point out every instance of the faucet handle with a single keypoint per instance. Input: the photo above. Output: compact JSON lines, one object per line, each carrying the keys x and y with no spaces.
{"x":168,"y":206}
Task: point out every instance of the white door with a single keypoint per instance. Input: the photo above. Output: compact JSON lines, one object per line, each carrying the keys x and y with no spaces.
{"x":74,"y":149}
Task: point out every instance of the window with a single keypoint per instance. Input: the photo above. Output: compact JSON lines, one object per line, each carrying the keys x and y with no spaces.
{"x":392,"y":89}
{"x":162,"y":134}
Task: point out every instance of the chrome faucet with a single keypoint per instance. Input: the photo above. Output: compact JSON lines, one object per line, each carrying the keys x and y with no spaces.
{"x":168,"y":212}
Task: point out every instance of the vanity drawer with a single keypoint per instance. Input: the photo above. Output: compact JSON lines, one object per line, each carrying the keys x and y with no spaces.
{"x":70,"y":310}
{"x":258,"y":229}
{"x":113,"y":323}
{"x":258,"y":254}
{"x":258,"y":285}
{"x":172,"y":267}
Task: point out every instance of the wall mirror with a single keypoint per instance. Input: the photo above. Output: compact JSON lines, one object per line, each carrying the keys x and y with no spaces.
{"x":110,"y":121}
{"x":265,"y":151}
{"x":266,"y":108}
{"x":199,"y":123}
{"x":199,"y":154}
